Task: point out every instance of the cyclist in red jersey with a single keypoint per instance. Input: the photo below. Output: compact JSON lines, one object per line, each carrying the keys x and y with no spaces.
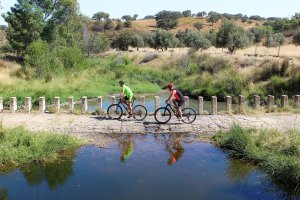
{"x":176,"y":98}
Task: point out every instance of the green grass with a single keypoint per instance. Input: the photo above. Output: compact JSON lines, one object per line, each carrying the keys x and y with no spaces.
{"x":276,"y":153}
{"x":19,"y":146}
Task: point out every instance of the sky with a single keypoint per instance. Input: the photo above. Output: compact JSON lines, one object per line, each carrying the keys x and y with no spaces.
{"x":118,"y":8}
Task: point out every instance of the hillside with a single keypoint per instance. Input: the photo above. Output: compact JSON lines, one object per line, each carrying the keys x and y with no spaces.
{"x":187,"y":23}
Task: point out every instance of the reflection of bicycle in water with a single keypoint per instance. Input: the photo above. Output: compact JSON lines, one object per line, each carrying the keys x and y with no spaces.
{"x":126,"y":146}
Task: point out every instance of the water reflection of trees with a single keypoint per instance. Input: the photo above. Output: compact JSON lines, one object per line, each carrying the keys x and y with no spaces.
{"x":55,"y":174}
{"x":3,"y":194}
{"x":238,"y":172}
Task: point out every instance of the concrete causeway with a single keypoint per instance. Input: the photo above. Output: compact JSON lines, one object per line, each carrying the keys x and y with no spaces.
{"x":88,"y":124}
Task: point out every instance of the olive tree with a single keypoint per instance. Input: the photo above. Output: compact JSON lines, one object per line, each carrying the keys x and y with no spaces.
{"x":233,"y":37}
{"x":198,"y":25}
{"x":167,"y":19}
{"x":275,"y":40}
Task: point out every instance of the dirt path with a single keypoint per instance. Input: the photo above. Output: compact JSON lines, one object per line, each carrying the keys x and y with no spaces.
{"x":95,"y":130}
{"x":86,"y":124}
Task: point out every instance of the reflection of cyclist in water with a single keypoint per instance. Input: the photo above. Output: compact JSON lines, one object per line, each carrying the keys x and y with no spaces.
{"x":126,"y":145}
{"x":175,"y":151}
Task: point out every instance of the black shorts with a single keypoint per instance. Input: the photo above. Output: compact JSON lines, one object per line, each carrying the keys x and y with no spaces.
{"x":127,"y":99}
{"x":180,"y":102}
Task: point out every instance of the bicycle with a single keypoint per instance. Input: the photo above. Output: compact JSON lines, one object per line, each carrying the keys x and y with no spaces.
{"x":163,"y":114}
{"x":115,"y":111}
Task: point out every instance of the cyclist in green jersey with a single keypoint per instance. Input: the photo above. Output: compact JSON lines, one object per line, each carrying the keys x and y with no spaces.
{"x":127,"y":96}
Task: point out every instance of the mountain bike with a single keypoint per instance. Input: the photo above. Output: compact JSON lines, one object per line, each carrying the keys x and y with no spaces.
{"x":163,"y":115}
{"x":115,"y":111}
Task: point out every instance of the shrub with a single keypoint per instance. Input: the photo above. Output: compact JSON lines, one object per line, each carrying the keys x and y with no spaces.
{"x":296,"y":37}
{"x":149,"y":57}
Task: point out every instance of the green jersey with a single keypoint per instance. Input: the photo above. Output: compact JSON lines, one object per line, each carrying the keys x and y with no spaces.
{"x":127,"y":91}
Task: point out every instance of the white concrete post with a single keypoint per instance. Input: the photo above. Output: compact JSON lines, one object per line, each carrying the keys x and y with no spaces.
{"x":84,"y":104}
{"x":186,"y":101}
{"x":200,"y":105}
{"x":13,"y":104}
{"x":57,"y":104}
{"x":71,"y":104}
{"x":228,"y":104}
{"x":270,"y":101}
{"x":256,"y":101}
{"x":99,"y":102}
{"x":242,"y":102}
{"x":214,"y":105}
{"x":28,"y":104}
{"x":113,"y":100}
{"x":284,"y":101}
{"x":42,"y":104}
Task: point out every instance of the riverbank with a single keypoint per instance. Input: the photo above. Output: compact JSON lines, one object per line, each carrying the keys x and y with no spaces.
{"x":19,"y":146}
{"x":275,"y":152}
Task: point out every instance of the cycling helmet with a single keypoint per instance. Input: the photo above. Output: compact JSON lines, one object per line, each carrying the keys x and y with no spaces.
{"x":122,"y":82}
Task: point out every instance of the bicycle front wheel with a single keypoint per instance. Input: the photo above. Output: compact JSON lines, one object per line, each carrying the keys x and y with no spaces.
{"x":162,"y":115}
{"x":114,"y":111}
{"x":139,"y":112}
{"x":188,"y":115}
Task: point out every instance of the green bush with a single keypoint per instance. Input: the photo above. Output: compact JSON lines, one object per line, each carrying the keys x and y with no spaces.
{"x":277,"y":153}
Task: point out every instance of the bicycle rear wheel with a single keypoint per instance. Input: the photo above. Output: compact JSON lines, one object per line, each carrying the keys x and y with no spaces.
{"x":188,"y":115}
{"x":114,"y":111}
{"x":139,"y":112}
{"x":162,"y":115}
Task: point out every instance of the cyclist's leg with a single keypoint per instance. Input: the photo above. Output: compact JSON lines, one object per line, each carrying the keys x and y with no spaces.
{"x":180,"y":103}
{"x":130,"y":104}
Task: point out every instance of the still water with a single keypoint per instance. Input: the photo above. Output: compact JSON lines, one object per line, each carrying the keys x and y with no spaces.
{"x":154,"y":167}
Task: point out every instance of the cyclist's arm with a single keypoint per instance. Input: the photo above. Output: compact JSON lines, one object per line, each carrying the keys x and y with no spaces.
{"x":123,"y":92}
{"x":172,"y":95}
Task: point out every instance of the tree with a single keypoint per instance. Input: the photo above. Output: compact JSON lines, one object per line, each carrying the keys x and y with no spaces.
{"x":167,"y":19}
{"x":149,"y":17}
{"x":198,"y":25}
{"x":260,"y":33}
{"x":100,"y":15}
{"x":187,"y":13}
{"x":135,"y":16}
{"x":201,"y":14}
{"x":108,"y":24}
{"x":126,"y":17}
{"x":275,"y":40}
{"x":137,"y":41}
{"x":161,"y":39}
{"x":296,"y":37}
{"x":194,"y":39}
{"x":123,"y":40}
{"x":213,"y":18}
{"x":25,"y":25}
{"x":233,"y":37}
{"x":119,"y":25}
{"x":128,"y":23}
{"x":212,"y":37}
{"x":296,"y":16}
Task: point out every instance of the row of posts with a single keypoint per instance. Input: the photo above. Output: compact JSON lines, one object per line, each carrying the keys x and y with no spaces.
{"x":84,"y":103}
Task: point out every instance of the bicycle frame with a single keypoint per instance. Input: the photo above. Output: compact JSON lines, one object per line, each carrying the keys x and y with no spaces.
{"x":123,"y":104}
